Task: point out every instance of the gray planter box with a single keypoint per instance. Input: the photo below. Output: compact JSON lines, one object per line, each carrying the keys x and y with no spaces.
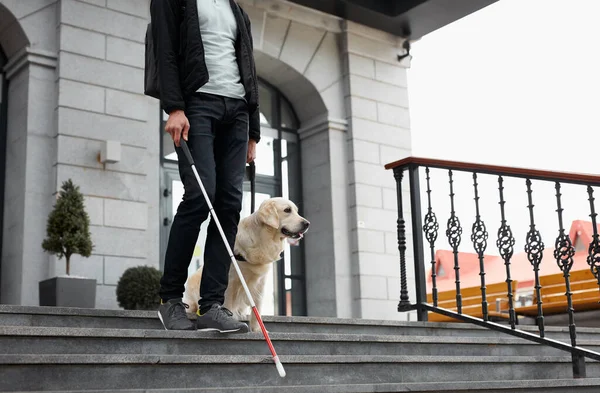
{"x":68,"y":292}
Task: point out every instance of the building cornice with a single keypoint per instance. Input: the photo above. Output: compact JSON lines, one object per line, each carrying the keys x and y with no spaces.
{"x":322,"y":124}
{"x":28,"y":56}
{"x":296,"y":13}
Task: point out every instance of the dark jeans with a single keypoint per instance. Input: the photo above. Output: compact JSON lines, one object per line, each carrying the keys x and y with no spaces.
{"x":218,"y":141}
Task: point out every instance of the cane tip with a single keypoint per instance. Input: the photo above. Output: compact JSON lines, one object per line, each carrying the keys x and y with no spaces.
{"x":280,"y":368}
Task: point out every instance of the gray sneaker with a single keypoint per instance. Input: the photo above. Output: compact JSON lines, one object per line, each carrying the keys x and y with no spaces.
{"x":173,"y":316}
{"x":220,"y":319}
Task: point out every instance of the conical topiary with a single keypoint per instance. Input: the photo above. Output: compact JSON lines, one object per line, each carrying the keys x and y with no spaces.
{"x":68,"y":226}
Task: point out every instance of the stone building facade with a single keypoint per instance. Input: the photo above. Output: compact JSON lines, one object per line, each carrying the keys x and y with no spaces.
{"x":73,"y":79}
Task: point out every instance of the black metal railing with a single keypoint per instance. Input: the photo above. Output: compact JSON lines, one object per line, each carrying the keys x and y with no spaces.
{"x":427,"y":227}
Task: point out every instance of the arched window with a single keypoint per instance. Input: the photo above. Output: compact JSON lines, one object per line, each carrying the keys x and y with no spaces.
{"x":278,"y":173}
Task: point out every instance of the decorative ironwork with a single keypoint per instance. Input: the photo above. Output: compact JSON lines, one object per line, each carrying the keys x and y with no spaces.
{"x":563,"y":253}
{"x":506,"y":244}
{"x":454,"y":232}
{"x":563,"y":250}
{"x":428,"y":225}
{"x":479,"y":238}
{"x":534,"y":247}
{"x":563,"y":247}
{"x":401,"y":225}
{"x":593,"y":258}
{"x":430,"y":228}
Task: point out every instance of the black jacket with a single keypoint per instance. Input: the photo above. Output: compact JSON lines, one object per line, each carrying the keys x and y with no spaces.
{"x":180,"y":52}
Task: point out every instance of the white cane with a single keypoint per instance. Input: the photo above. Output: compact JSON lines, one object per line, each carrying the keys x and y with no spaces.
{"x":188,"y":155}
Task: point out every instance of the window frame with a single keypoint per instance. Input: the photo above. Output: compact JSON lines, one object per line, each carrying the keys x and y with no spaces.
{"x":3,"y":144}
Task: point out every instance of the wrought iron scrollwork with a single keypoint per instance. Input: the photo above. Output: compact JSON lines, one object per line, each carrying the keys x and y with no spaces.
{"x":479,"y":238}
{"x":430,"y":228}
{"x":534,"y":247}
{"x":563,"y":246}
{"x":564,"y":251}
{"x":479,"y":235}
{"x":453,"y":233}
{"x":506,"y":244}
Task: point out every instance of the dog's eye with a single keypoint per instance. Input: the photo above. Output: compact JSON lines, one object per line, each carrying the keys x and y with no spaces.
{"x":288,"y":210}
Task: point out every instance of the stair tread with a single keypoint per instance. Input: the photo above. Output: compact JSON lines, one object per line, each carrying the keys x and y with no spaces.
{"x":374,"y":387}
{"x":70,"y":332}
{"x":21,"y":359}
{"x":128,"y":314}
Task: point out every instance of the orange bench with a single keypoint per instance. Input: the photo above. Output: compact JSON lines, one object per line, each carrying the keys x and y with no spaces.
{"x":584,"y":286}
{"x":496,"y":295}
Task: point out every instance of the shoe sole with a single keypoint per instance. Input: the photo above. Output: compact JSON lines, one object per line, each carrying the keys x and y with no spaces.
{"x":163,"y":323}
{"x":219,"y":330}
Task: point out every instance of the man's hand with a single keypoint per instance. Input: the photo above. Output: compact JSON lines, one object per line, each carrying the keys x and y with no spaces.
{"x":251,"y":156}
{"x":177,"y":125}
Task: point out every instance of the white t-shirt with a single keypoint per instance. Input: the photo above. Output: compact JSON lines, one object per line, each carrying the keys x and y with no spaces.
{"x":218,"y":28}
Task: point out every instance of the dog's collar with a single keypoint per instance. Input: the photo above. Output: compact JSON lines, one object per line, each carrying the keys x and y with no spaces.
{"x":242,"y":259}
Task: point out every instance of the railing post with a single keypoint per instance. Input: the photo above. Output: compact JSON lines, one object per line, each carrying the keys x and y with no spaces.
{"x":404,"y":304}
{"x":417,"y":231}
{"x":505,"y":244}
{"x":534,"y":247}
{"x":479,"y":238}
{"x":453,"y":233}
{"x":431,"y":227}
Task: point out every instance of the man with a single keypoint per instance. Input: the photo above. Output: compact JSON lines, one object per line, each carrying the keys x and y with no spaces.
{"x":208,"y":86}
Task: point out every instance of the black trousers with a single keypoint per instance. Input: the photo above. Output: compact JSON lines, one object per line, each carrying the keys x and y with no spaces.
{"x":218,"y":141}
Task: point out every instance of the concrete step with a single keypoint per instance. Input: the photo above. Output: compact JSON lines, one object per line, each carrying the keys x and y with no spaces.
{"x":56,"y":372}
{"x":587,"y":385}
{"x":53,"y":340}
{"x":120,"y":319}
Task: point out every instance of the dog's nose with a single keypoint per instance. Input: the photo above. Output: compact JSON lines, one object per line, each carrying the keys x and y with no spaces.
{"x":306,"y":224}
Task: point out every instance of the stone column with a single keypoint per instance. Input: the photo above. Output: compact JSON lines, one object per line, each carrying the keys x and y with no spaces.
{"x":379,"y":133}
{"x":29,"y":41}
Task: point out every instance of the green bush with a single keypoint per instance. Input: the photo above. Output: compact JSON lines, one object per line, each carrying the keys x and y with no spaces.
{"x":138,"y":287}
{"x":68,"y":226}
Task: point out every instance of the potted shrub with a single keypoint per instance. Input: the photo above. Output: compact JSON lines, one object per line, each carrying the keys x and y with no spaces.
{"x":138,"y":287}
{"x":67,"y":234}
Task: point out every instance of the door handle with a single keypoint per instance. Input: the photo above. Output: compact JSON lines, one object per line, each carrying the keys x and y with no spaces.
{"x":166,"y":221}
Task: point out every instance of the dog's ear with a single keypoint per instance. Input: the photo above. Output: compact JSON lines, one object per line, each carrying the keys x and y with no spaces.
{"x":267,"y":213}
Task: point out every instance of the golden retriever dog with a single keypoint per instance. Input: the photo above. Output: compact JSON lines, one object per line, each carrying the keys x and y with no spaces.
{"x":259,"y":242}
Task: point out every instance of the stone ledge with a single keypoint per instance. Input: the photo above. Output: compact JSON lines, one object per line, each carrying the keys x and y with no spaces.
{"x":69,"y":311}
{"x":70,"y":359}
{"x":425,"y":387}
{"x":55,"y":332}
